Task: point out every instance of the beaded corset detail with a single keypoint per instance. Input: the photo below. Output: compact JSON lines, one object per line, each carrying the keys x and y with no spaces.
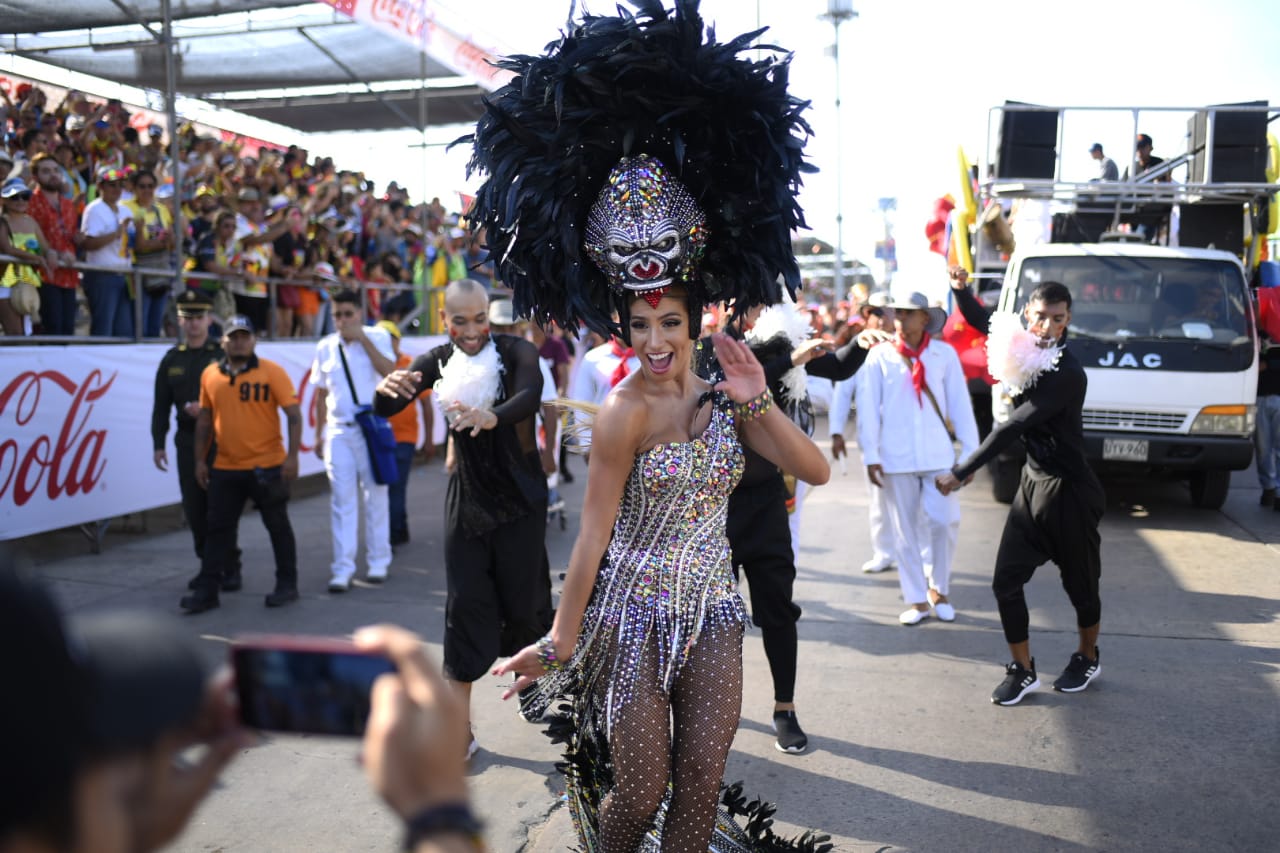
{"x":666,"y":576}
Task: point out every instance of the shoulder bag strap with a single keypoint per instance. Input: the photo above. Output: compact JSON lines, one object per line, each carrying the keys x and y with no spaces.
{"x":946,"y":422}
{"x":355,"y":398}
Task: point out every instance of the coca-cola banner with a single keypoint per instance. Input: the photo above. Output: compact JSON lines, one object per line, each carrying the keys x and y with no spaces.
{"x":414,"y":22}
{"x":75,"y":431}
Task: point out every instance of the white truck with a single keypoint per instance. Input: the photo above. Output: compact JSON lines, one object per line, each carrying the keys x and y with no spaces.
{"x":1166,"y":333}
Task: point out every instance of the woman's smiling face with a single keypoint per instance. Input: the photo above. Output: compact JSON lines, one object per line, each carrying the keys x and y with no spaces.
{"x":660,"y":336}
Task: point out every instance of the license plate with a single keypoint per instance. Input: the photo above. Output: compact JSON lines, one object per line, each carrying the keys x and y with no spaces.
{"x":1125,"y":449}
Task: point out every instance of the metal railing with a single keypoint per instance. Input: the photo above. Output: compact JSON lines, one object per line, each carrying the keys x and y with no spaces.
{"x":428,"y":300}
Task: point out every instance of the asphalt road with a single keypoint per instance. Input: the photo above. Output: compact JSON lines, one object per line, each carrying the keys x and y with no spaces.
{"x":1175,"y":747}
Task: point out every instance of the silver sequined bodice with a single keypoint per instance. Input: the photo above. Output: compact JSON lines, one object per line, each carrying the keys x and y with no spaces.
{"x":667,"y":574}
{"x":669,"y":546}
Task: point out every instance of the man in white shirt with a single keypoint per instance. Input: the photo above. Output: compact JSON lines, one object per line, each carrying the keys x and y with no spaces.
{"x":913,"y":407}
{"x":602,"y":368}
{"x":340,"y":442}
{"x":104,"y":237}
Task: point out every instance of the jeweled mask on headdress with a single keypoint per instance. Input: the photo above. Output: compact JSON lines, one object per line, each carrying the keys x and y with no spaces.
{"x":645,"y":231}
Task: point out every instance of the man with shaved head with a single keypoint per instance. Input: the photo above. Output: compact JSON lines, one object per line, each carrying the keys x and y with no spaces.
{"x":490,"y":387}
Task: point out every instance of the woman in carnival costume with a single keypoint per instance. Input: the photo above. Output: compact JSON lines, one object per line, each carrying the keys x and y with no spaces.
{"x":639,"y":170}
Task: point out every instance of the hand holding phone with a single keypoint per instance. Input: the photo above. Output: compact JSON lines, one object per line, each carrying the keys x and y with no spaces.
{"x":417,"y":737}
{"x":317,"y":685}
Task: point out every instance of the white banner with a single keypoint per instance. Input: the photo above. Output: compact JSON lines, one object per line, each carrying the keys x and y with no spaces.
{"x":411,"y":21}
{"x":75,"y":431}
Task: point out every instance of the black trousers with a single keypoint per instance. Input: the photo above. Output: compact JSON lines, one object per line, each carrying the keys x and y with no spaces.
{"x":195,"y":500}
{"x":1051,"y":519}
{"x":760,"y":539}
{"x":499,"y":598}
{"x":228,"y":491}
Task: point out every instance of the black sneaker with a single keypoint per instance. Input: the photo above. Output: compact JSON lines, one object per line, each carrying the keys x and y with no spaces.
{"x":791,"y":738}
{"x":1079,"y":672}
{"x":1018,"y":682}
{"x":231,"y":582}
{"x":199,"y":601}
{"x":282,"y":596}
{"x":1268,"y":497}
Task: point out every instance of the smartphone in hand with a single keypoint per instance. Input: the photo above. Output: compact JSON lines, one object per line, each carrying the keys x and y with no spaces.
{"x":314,"y":685}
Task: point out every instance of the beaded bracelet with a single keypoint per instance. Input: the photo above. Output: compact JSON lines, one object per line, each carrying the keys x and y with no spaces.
{"x":755,"y":408}
{"x":547,"y":654}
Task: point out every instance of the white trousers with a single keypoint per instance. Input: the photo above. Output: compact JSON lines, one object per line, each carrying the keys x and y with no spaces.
{"x":353,"y":493}
{"x":802,"y":489}
{"x":921,"y":517}
{"x":882,"y":545}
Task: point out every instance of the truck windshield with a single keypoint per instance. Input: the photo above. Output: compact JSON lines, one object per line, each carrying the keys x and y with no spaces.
{"x":1114,"y":298}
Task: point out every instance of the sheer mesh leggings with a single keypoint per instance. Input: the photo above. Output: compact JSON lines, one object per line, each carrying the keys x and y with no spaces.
{"x":704,"y":706}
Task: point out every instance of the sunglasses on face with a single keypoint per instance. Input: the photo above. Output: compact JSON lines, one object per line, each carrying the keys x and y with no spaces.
{"x":146,"y":186}
{"x":109,"y":184}
{"x":20,"y":197}
{"x":342,"y":314}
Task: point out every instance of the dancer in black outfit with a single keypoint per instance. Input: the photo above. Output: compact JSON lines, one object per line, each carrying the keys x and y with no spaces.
{"x":495,"y":557}
{"x":1059,"y":503}
{"x":759,"y":529}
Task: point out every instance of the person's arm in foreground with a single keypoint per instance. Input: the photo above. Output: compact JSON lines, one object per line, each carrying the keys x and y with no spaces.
{"x":410,"y":753}
{"x":171,"y":788}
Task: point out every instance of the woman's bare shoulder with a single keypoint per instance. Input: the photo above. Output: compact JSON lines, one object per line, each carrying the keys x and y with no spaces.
{"x":625,"y":406}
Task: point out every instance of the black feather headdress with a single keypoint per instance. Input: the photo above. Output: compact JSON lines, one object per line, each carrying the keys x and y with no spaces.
{"x":654,"y":83}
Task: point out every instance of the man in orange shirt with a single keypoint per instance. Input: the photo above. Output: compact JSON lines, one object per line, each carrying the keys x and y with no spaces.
{"x":404,"y":425}
{"x":240,"y":399}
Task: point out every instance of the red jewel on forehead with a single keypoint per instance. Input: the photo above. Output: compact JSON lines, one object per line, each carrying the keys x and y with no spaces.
{"x":653,"y":297}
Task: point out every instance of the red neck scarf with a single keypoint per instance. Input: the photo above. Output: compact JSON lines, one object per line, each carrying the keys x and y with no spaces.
{"x":917,"y":366}
{"x":623,"y":354}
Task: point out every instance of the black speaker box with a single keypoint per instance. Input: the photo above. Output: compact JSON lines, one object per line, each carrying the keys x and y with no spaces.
{"x":1219,"y":225}
{"x":1230,"y":128}
{"x":1026,"y":161}
{"x":1239,"y":145}
{"x":1030,"y":127}
{"x":1238,"y":164}
{"x":1028,"y":144}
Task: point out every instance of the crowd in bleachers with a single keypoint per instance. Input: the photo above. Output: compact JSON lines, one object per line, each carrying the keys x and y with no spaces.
{"x":87,"y":192}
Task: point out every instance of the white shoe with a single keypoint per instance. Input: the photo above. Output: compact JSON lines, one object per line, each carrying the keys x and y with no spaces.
{"x":944,"y":611}
{"x":877,"y":564}
{"x":911,"y":616}
{"x":376,"y":577}
{"x":339,"y":584}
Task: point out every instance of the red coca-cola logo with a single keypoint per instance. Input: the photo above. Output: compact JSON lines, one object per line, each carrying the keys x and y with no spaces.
{"x":400,"y":15}
{"x":346,"y":7}
{"x":69,"y":464}
{"x":307,"y":403}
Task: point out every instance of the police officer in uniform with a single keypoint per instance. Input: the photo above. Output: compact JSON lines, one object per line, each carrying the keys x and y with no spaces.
{"x":178,"y":386}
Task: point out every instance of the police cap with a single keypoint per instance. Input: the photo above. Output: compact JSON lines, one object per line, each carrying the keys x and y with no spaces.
{"x":192,"y":303}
